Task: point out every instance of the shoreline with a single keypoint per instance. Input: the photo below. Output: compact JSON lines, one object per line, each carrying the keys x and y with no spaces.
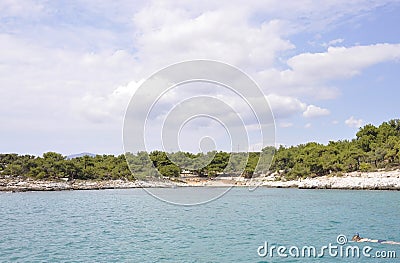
{"x":383,"y":180}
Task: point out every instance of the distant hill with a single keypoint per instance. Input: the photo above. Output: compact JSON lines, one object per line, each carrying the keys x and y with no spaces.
{"x":72,"y":156}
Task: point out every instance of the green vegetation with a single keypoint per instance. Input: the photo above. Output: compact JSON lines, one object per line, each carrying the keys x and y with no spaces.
{"x":53,"y":166}
{"x":373,"y":148}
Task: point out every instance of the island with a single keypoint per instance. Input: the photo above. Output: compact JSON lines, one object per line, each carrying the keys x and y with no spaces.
{"x":369,"y":161}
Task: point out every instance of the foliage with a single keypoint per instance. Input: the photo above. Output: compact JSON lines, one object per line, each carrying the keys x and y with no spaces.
{"x":55,"y":166}
{"x":373,"y":148}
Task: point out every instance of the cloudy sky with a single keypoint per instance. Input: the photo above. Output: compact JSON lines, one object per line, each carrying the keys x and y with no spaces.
{"x":69,"y":68}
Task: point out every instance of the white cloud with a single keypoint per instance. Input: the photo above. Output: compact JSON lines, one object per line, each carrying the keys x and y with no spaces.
{"x":312,"y":70}
{"x":285,"y":106}
{"x":353,"y":122}
{"x":308,"y":125}
{"x":55,"y":77}
{"x":171,"y":35}
{"x":303,"y":14}
{"x":340,"y":62}
{"x":309,"y":74}
{"x":107,"y":107}
{"x":313,"y":111}
{"x":56,"y":63}
{"x":172,"y":31}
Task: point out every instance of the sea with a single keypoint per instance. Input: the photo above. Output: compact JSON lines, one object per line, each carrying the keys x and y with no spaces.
{"x":262,"y":225}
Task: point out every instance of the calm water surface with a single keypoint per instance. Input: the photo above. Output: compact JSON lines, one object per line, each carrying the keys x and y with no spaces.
{"x":132,"y":226}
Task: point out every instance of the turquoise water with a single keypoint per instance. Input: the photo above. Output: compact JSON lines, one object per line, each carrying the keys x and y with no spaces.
{"x":132,"y":226}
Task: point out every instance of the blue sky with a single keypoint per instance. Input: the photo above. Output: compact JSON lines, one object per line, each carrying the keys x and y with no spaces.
{"x":69,"y":68}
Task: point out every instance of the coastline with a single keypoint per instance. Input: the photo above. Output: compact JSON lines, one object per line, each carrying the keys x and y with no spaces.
{"x":20,"y":185}
{"x":383,"y":180}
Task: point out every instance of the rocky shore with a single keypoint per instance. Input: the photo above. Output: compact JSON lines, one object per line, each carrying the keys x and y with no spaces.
{"x":358,"y":181}
{"x":19,"y":185}
{"x":383,"y":180}
{"x":350,"y":181}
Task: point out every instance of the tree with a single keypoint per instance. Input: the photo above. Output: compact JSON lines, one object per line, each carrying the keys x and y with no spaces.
{"x":170,"y":170}
{"x":367,"y":136}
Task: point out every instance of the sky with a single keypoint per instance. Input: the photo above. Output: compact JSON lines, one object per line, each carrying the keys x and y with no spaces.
{"x":68,"y":69}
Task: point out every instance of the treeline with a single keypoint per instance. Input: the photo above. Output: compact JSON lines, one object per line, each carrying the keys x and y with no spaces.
{"x":54,"y":166}
{"x":208,"y":164}
{"x":373,"y":148}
